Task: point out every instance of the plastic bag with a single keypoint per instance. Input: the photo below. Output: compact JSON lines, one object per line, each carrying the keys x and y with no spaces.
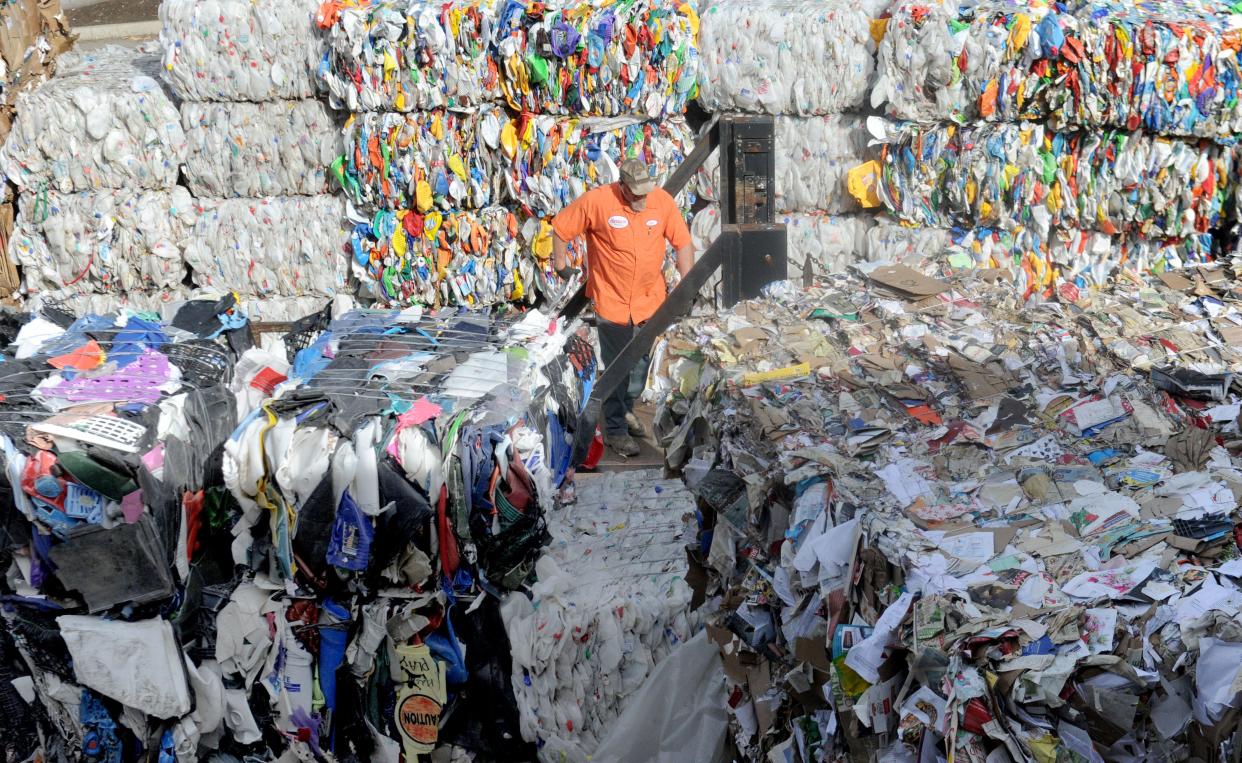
{"x":818,"y":244}
{"x":1010,"y":175}
{"x":280,"y":148}
{"x":576,"y":57}
{"x":1166,"y":67}
{"x":785,"y":56}
{"x":281,"y":246}
{"x":461,"y":258}
{"x":103,"y":121}
{"x":235,"y":50}
{"x":406,"y":56}
{"x":102,"y":241}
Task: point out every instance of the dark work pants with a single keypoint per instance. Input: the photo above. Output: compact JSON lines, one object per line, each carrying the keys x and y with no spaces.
{"x":613,"y":337}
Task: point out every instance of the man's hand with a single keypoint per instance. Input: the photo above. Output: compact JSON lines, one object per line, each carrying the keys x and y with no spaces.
{"x":567,"y":273}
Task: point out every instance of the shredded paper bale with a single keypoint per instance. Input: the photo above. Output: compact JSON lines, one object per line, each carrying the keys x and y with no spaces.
{"x":610,"y":601}
{"x":385,"y":55}
{"x":279,"y":246}
{"x":128,"y":240}
{"x":589,"y":58}
{"x":461,"y":258}
{"x":1036,"y":263}
{"x":1006,"y":175}
{"x":238,"y":50}
{"x":1167,"y":67}
{"x":103,"y":121}
{"x":278,"y":148}
{"x":785,"y":56}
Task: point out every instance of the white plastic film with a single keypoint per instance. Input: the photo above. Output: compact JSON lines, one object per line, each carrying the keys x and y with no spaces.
{"x":280,"y":246}
{"x":241,"y":50}
{"x":102,"y":241}
{"x":104,"y":121}
{"x":386,"y":55}
{"x":278,"y":148}
{"x":785,"y":56}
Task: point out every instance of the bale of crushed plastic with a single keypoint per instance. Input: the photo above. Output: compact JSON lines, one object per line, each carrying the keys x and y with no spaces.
{"x":450,"y":161}
{"x":384,"y":55}
{"x":467,"y":258}
{"x":612,"y":577}
{"x":1169,"y":68}
{"x":558,"y":160}
{"x":287,"y":246}
{"x":104,"y":121}
{"x":1011,"y":175}
{"x":102,"y":241}
{"x":237,"y":50}
{"x":277,"y":148}
{"x":424,"y":159}
{"x":1036,"y":262}
{"x":589,"y":58}
{"x":814,"y":156}
{"x":785,"y":56}
{"x":818,"y":244}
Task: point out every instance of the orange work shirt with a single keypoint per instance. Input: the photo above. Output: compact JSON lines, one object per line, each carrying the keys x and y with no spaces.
{"x":625,"y":249}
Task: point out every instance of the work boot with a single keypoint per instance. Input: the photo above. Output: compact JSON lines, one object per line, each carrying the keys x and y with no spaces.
{"x":635,"y":426}
{"x":622,"y":444}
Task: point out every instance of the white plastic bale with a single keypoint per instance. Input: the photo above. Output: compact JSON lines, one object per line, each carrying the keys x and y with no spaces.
{"x":814,"y":156}
{"x":104,"y":121}
{"x":610,"y":602}
{"x":278,"y":148}
{"x":102,"y":241}
{"x":165,"y":302}
{"x":818,"y":244}
{"x":406,"y":55}
{"x":241,"y":50}
{"x":786,"y":56}
{"x":280,"y":246}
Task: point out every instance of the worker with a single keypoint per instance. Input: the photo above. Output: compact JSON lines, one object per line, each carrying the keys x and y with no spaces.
{"x":626,"y":225}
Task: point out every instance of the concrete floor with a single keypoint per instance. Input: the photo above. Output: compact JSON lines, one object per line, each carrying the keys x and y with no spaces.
{"x":113,"y":12}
